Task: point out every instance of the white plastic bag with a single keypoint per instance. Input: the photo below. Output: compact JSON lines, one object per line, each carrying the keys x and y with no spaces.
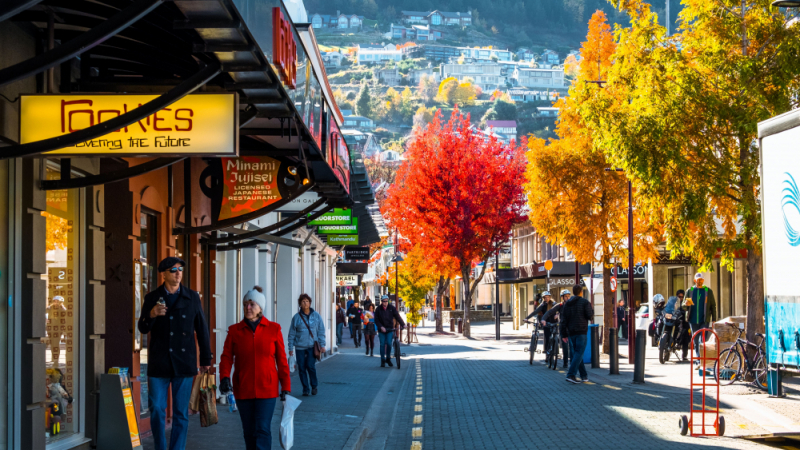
{"x":292,"y":364}
{"x":287,"y":421}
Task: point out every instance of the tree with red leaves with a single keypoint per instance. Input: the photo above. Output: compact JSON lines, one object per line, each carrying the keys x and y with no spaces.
{"x":457,"y":195}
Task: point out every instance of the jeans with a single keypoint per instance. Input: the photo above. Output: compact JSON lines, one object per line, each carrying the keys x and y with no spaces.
{"x":158,"y":389}
{"x":695,"y":327}
{"x":357,"y":327}
{"x":350,"y":324}
{"x":306,"y":363}
{"x":256,"y":415}
{"x":339,"y":330}
{"x":577,"y":347}
{"x":385,"y":339}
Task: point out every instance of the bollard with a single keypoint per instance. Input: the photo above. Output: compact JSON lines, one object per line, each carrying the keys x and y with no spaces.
{"x":613,"y":361}
{"x":452,"y":325}
{"x":460,"y":326}
{"x":595,"y":347}
{"x":638,"y":364}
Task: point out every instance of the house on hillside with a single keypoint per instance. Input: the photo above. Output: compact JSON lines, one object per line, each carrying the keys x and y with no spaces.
{"x":415,"y":75}
{"x":349,"y":21}
{"x":367,"y":54}
{"x":542,"y":78}
{"x":486,"y":76}
{"x":358,"y":123}
{"x":432,"y":52}
{"x":507,"y":127}
{"x":524,"y":95}
{"x":437,"y":18}
{"x":525,"y":54}
{"x":549,"y":58}
{"x":390,"y":77}
{"x":546,"y":111}
{"x":332,"y":59}
{"x":413,"y":33}
{"x":391,"y":156}
{"x":485,"y":54}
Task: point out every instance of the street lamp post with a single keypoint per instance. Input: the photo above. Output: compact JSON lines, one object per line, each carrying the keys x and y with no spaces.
{"x":631,"y":311}
{"x":497,"y":294}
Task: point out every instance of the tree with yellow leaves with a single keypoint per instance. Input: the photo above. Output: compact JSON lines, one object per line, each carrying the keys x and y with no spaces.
{"x":575,"y":201}
{"x":456,"y":93}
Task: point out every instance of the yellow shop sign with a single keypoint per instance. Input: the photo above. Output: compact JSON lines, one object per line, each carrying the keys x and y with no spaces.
{"x":199,"y":124}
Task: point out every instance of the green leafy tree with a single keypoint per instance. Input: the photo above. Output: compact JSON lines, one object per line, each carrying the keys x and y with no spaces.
{"x":364,"y":102}
{"x":501,"y":110}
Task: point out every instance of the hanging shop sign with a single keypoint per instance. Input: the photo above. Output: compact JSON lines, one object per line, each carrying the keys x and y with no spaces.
{"x":639,"y":272}
{"x":249,"y":183}
{"x":338,"y":216}
{"x":356,"y":253}
{"x":200,"y":124}
{"x":300,"y":203}
{"x":339,"y":229}
{"x":342,"y":239}
{"x":347,"y":280}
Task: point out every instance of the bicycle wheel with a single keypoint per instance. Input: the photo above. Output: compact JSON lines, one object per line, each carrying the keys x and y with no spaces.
{"x":727,"y":369}
{"x":397,"y":353}
{"x":532,"y":349}
{"x":760,"y":374}
{"x":555,"y":353}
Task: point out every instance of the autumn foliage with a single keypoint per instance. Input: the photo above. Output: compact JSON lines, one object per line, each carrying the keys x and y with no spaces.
{"x":457,"y":195}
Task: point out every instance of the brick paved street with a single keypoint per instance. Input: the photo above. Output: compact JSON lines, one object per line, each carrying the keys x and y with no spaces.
{"x":457,"y":393}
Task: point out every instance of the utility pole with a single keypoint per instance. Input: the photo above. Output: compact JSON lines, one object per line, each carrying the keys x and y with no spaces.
{"x":631,"y":309}
{"x":497,"y":294}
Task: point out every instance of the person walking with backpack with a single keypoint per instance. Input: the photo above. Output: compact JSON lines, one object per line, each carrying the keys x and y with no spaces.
{"x":255,"y":347}
{"x":575,"y":317}
{"x":700,"y":307}
{"x":385,"y":315}
{"x":307,"y":336}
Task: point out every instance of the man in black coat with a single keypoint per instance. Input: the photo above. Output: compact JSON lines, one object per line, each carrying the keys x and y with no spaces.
{"x":172,"y":314}
{"x":575,"y":317}
{"x":385,"y":315}
{"x":356,"y":325}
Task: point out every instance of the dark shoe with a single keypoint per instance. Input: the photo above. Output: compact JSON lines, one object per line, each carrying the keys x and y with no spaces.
{"x":573,"y":380}
{"x":371,"y":352}
{"x":313,"y":391}
{"x":383,"y":364}
{"x":390,"y":363}
{"x":305,"y":394}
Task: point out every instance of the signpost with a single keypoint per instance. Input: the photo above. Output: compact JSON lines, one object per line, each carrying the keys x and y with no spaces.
{"x":548,"y":266}
{"x":342,"y":239}
{"x":347,"y":280}
{"x":339,"y":229}
{"x":356,"y":253}
{"x":338,"y":216}
{"x":613,"y":284}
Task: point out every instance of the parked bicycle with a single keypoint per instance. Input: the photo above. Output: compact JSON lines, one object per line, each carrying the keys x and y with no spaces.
{"x":729,"y":367}
{"x":396,"y":346}
{"x":534,"y":340}
{"x":553,"y":348}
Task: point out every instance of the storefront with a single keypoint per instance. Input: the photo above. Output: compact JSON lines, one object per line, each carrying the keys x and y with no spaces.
{"x":166,"y":129}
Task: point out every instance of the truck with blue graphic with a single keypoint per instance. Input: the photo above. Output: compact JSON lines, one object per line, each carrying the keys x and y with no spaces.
{"x":779,"y":142}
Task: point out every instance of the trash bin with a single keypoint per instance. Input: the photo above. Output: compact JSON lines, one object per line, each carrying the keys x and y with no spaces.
{"x":587,"y":353}
{"x":461,"y":326}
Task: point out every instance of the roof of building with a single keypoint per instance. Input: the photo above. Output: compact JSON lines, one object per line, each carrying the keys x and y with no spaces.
{"x":359,"y":118}
{"x":415,"y":13}
{"x":501,"y":123}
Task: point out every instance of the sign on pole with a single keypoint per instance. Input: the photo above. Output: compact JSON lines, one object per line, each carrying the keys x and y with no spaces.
{"x":337,"y":217}
{"x":342,"y":239}
{"x":613,"y":284}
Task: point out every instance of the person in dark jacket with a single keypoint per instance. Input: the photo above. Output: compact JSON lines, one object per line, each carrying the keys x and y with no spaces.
{"x":553,"y":315}
{"x":575,"y":317}
{"x":356,"y":322}
{"x":701,"y":308}
{"x":384,"y":317}
{"x":340,"y":320}
{"x":173,"y":315}
{"x":547,"y":303}
{"x":255,"y":347}
{"x":622,"y":320}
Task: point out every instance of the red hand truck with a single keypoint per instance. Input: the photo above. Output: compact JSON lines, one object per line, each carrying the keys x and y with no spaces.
{"x":696,"y":424}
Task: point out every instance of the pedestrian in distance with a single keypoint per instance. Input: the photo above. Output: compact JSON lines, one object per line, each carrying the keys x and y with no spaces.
{"x":356,"y":322}
{"x":306,"y":328}
{"x":700,"y":307}
{"x":369,"y":329}
{"x":340,"y":319}
{"x":575,"y":317}
{"x":385,"y":316}
{"x":622,"y":319}
{"x":173,"y":315}
{"x":255,"y":352}
{"x":347,"y":308}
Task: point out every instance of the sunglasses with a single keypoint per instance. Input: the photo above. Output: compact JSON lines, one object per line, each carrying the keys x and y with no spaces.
{"x":176,"y":269}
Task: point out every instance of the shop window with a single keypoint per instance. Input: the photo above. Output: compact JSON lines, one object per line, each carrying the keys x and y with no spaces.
{"x":148,"y":261}
{"x":63,"y":300}
{"x":677,"y":280}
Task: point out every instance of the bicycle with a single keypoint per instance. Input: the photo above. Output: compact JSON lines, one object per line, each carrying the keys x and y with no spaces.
{"x":534,"y":340}
{"x":729,"y":368}
{"x":555,"y":345}
{"x":396,"y":345}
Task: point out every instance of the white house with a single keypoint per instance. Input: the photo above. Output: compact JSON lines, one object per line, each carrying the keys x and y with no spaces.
{"x":485,"y":54}
{"x":508,"y":127}
{"x":486,"y":76}
{"x":532,"y":77}
{"x":370,"y":55}
{"x":547,"y":111}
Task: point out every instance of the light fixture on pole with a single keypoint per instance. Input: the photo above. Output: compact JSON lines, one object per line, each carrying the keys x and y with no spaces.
{"x":786,"y":3}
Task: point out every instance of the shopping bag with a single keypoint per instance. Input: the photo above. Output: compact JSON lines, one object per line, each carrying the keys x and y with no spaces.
{"x":287,"y":421}
{"x":208,"y":401}
{"x":292,"y":364}
{"x":194,"y":399}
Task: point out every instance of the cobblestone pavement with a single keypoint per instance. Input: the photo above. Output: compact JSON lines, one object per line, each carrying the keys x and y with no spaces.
{"x":459,"y":393}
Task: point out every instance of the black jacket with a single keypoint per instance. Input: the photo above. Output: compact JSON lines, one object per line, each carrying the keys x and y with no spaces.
{"x":383,"y":318}
{"x":171,"y":350}
{"x":551,"y":313}
{"x":540,"y":310}
{"x":575,"y":316}
{"x":356,"y":312}
{"x":340,"y":316}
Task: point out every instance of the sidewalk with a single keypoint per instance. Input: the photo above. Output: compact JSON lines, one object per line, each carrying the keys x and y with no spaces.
{"x":349,"y":382}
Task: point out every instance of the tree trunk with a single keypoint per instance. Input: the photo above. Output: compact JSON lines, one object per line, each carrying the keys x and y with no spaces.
{"x":755,"y":294}
{"x":441,"y":288}
{"x":608,"y":305}
{"x":467,"y":299}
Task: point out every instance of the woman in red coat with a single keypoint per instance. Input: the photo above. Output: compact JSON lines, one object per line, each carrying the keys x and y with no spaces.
{"x":255,"y":347}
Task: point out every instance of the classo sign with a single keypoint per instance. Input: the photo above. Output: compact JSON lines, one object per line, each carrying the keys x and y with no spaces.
{"x":200,"y":124}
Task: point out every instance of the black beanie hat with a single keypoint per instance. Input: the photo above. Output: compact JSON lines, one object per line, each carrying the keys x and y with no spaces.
{"x":170,"y":261}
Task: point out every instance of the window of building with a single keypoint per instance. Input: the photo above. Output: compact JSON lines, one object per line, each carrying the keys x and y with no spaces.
{"x":436,"y":19}
{"x":677,"y":279}
{"x":61,"y":317}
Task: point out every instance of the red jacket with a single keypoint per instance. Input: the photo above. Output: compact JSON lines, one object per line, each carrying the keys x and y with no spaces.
{"x":260,"y":360}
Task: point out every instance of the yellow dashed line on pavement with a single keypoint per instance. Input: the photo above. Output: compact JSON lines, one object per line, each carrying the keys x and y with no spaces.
{"x":561,"y":371}
{"x":416,"y":432}
{"x":416,"y":445}
{"x":611,"y":387}
{"x":589,"y":383}
{"x":417,"y":408}
{"x":419,"y":399}
{"x":651,"y":395}
{"x":418,"y":419}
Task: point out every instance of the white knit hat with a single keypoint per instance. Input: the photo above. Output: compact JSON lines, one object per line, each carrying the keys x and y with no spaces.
{"x":256,"y":295}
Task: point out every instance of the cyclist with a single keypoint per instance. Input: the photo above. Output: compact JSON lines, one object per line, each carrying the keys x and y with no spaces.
{"x":553,"y":315}
{"x":547,"y":303}
{"x":383,"y":321}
